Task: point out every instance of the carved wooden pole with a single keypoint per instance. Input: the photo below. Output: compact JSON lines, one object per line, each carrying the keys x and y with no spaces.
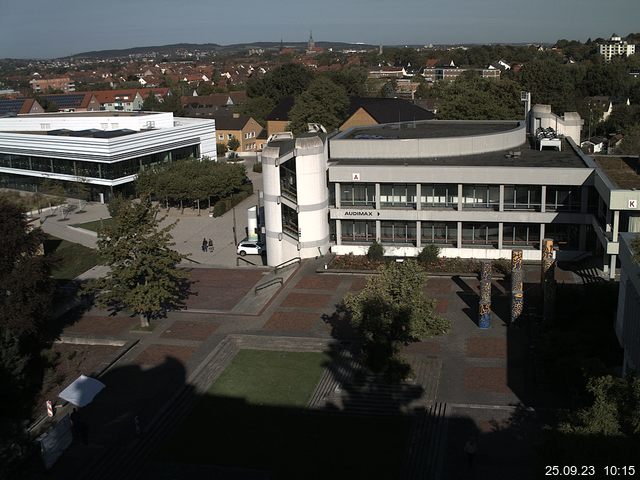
{"x":484,"y":320}
{"x":548,"y":279}
{"x":517,"y":288}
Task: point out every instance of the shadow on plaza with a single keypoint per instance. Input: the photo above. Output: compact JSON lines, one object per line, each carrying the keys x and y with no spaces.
{"x":362,"y":427}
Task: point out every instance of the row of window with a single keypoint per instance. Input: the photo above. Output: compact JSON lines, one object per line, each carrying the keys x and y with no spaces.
{"x":446,"y":234}
{"x":109,"y":171}
{"x":516,"y":197}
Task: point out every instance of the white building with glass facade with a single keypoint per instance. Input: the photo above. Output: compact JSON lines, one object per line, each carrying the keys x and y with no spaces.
{"x":475,"y":189}
{"x":104,"y":150}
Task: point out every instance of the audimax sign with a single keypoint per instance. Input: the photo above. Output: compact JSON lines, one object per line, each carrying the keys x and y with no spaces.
{"x":361,"y":213}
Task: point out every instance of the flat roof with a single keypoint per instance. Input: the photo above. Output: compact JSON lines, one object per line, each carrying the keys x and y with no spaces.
{"x":101,"y":113}
{"x":529,"y":157}
{"x":429,"y":129}
{"x":624,"y":172}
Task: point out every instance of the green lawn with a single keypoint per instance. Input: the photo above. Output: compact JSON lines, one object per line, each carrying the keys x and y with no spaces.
{"x":254,"y":417}
{"x":93,"y":226}
{"x":70,"y":259}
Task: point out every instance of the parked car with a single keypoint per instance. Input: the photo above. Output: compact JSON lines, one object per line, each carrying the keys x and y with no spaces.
{"x":249,"y":248}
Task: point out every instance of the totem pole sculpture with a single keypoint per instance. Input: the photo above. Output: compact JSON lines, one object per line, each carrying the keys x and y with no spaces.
{"x":548,"y":280}
{"x":484,"y":320}
{"x":517,"y":289}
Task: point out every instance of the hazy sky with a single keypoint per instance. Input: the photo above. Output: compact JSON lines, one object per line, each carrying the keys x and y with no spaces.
{"x":46,"y":28}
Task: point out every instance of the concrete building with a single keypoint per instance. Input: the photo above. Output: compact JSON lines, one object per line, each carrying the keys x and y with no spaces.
{"x":628,"y":315}
{"x":42,"y":85}
{"x":104,"y":150}
{"x":614,"y":47}
{"x":474,"y":189}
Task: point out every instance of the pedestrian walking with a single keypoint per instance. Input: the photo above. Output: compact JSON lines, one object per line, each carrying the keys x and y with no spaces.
{"x":210,"y":245}
{"x":471,"y":448}
{"x":204,"y":244}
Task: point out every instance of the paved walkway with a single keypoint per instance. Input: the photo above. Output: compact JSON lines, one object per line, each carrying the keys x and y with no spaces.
{"x":188,"y":233}
{"x":479,"y":375}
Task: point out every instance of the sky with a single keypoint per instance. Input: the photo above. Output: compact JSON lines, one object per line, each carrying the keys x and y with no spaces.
{"x":46,"y":28}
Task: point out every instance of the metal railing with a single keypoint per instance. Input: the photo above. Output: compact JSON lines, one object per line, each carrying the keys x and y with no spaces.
{"x":244,"y":260}
{"x":286,"y":264}
{"x":262,"y":286}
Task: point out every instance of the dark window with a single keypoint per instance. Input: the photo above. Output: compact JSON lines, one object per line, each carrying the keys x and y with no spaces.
{"x":439,"y":233}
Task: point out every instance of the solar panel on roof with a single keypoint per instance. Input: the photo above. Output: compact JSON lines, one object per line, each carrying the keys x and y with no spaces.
{"x":72,"y":100}
{"x":10,"y":106}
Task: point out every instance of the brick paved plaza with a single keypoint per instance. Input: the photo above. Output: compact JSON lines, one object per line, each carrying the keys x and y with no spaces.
{"x":479,"y":374}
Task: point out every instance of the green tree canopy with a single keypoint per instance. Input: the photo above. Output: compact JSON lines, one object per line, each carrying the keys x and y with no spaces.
{"x":258,"y":108}
{"x":283,"y":81}
{"x":549,"y":82}
{"x":475,"y":98}
{"x":353,"y":79}
{"x":25,"y":306}
{"x":143,"y":276}
{"x":630,"y":144}
{"x":24,"y":274}
{"x":392,"y":310}
{"x":175,"y":181}
{"x":323,"y":102}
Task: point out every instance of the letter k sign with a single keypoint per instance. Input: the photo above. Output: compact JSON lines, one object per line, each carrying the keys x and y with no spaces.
{"x":633,"y":204}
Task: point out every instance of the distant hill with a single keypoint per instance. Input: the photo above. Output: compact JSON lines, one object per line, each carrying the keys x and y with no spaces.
{"x":207,"y":47}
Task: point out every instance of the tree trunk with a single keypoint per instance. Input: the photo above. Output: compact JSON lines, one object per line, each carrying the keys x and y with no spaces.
{"x":209,"y":198}
{"x":181,"y":207}
{"x":198,"y":207}
{"x":166,"y":201}
{"x":144,"y":321}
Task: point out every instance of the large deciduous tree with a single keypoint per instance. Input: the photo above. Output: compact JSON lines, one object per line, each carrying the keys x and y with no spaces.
{"x":25,"y":304}
{"x":323,"y":102}
{"x":474,"y":98}
{"x":391,"y":311}
{"x":285,"y":80}
{"x":143,"y":277}
{"x":550,"y":83}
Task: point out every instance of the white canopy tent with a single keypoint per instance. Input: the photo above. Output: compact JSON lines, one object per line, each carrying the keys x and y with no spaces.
{"x":82,"y":391}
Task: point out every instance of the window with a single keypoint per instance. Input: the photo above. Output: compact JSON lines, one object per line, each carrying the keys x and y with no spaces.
{"x":521,"y":235}
{"x":398,"y":232}
{"x":481,"y":196}
{"x":564,"y":199}
{"x":480,"y":234}
{"x":290,"y":222}
{"x":229,"y":136}
{"x":398,"y":195}
{"x":522,"y":197}
{"x":565,"y":237}
{"x":357,"y":195}
{"x":439,"y":233}
{"x":439,"y":196}
{"x":288,"y":181}
{"x":220,"y":137}
{"x":358,"y":231}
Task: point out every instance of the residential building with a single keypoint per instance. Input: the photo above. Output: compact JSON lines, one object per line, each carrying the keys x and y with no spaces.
{"x":104,"y":150}
{"x":73,"y":102}
{"x":615,"y":47}
{"x":213,"y":105}
{"x":42,"y":85}
{"x":19,"y":106}
{"x":242,"y":127}
{"x":362,"y":111}
{"x":475,"y":189}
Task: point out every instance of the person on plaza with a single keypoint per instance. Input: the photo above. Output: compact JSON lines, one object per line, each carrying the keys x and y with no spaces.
{"x":204,"y":244}
{"x":471,"y":448}
{"x":210,"y":245}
